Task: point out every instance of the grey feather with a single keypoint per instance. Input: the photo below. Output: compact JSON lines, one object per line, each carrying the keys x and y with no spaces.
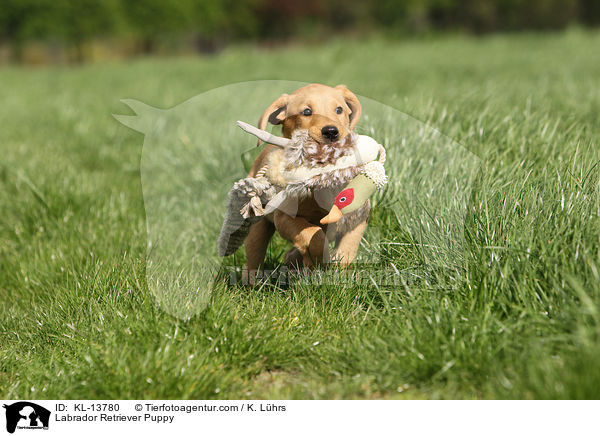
{"x":237,"y":223}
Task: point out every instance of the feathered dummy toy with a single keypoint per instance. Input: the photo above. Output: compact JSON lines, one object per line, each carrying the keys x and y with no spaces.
{"x":352,"y":172}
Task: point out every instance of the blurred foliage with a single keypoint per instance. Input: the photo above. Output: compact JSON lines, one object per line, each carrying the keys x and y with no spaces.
{"x":206,"y":25}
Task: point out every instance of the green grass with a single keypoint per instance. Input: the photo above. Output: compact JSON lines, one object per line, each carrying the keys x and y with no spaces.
{"x":520,"y":318}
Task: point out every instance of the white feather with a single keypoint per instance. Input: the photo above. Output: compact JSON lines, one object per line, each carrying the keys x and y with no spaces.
{"x":366,"y":151}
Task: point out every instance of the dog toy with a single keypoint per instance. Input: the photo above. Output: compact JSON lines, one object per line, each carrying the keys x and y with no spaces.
{"x":357,"y":192}
{"x":299,"y":166}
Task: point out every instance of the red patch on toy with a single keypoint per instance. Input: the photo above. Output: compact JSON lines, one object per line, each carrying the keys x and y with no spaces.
{"x":344,"y":198}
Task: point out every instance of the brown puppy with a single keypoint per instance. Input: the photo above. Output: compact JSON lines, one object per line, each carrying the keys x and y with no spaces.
{"x":329,"y":115}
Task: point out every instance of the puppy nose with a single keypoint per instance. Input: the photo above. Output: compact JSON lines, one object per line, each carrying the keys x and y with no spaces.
{"x":330,"y":132}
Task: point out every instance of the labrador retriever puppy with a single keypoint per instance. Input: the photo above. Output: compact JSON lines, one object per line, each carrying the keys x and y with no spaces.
{"x":329,"y":115}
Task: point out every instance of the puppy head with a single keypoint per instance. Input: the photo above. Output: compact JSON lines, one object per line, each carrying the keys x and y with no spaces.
{"x":328,"y":114}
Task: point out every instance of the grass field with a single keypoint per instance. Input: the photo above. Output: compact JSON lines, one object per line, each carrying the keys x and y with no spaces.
{"x":519,"y":319}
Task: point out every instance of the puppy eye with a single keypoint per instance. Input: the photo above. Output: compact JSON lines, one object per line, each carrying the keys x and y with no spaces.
{"x":307,"y":112}
{"x":339,"y":110}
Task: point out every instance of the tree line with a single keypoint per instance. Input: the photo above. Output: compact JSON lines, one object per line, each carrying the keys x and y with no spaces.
{"x":207,"y":25}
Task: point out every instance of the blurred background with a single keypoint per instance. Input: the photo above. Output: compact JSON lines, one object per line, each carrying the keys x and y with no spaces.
{"x":67,"y":31}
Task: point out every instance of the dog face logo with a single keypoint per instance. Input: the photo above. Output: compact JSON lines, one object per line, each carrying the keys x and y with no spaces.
{"x":26,"y":415}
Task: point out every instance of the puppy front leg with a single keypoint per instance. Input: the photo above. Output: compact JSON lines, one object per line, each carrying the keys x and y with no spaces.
{"x":256,"y":247}
{"x":308,"y":238}
{"x":347,"y":245}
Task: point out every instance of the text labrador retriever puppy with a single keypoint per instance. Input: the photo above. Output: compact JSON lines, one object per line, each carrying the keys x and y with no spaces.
{"x":329,"y":115}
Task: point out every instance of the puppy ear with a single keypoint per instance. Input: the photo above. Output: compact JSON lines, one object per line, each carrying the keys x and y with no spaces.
{"x":274,"y":114}
{"x":353,"y":103}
